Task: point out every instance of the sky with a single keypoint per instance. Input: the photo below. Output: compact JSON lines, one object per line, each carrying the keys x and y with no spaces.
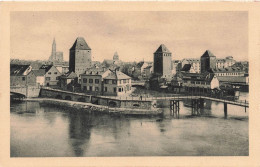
{"x":134,"y":35}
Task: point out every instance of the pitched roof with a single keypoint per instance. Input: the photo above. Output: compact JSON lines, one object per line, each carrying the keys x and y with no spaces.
{"x":208,"y":54}
{"x":16,"y":69}
{"x":69,"y":75}
{"x":95,"y":71}
{"x":46,"y":67}
{"x":40,"y":72}
{"x":162,"y":49}
{"x":80,"y":44}
{"x":116,"y":75}
{"x":186,"y":67}
{"x":140,"y":64}
{"x":198,"y":76}
{"x":148,"y":67}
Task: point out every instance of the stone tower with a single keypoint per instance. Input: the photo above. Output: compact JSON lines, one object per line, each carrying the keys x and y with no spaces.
{"x":207,"y":62}
{"x":163,"y":62}
{"x":80,"y":56}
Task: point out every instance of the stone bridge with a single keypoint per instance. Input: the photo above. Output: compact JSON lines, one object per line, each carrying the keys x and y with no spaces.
{"x":99,"y":100}
{"x":27,"y":91}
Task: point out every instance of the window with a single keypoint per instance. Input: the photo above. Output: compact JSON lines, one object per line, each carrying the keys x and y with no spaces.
{"x":96,"y":89}
{"x":105,"y":89}
{"x":97,"y":81}
{"x":55,"y":73}
{"x":23,"y":78}
{"x":124,"y":80}
{"x":48,"y":78}
{"x":90,"y":88}
{"x":192,"y":82}
{"x":106,"y":81}
{"x":90,"y":80}
{"x":119,"y":89}
{"x":85,"y":80}
{"x":49,"y":72}
{"x":114,"y":89}
{"x":84,"y":88}
{"x":114,"y":81}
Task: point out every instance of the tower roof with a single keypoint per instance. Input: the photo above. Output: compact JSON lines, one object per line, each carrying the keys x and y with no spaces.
{"x":208,"y":54}
{"x":80,"y":44}
{"x":162,"y":49}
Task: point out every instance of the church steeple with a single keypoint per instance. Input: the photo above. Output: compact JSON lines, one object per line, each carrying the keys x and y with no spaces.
{"x":53,"y":53}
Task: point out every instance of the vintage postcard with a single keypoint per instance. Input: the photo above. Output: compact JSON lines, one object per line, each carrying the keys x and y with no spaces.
{"x":130,"y":84}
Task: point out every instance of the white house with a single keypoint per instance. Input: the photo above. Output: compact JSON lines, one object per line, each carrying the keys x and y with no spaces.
{"x":52,"y":75}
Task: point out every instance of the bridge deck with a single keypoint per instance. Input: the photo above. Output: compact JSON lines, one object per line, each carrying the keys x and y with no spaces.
{"x":238,"y":103}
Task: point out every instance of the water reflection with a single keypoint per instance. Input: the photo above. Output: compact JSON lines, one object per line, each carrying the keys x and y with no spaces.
{"x":42,"y":130}
{"x":80,"y":125}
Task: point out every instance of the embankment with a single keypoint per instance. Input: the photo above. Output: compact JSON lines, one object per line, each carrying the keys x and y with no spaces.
{"x":93,"y":108}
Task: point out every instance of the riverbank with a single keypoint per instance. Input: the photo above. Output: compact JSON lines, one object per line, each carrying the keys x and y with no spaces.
{"x":93,"y":108}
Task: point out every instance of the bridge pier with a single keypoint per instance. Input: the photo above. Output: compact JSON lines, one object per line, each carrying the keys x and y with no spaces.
{"x":195,"y":105}
{"x":225,"y":110}
{"x":175,"y":107}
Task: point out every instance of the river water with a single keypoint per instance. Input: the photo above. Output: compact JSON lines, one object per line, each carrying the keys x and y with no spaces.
{"x":38,"y":130}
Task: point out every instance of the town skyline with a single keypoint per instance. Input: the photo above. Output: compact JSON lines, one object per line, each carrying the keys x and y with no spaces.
{"x":112,"y":32}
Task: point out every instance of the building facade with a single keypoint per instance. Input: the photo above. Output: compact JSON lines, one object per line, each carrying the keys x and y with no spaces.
{"x":68,"y":81}
{"x":40,"y":76}
{"x":22,"y":75}
{"x":206,"y":81}
{"x":109,"y":82}
{"x":80,"y":56}
{"x":117,"y":83}
{"x":163,"y":62}
{"x":52,"y":75}
{"x":228,"y":72}
{"x":224,"y":63}
{"x":195,"y":63}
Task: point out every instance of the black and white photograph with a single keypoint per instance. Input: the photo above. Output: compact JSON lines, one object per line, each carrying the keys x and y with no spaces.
{"x":129,"y":83}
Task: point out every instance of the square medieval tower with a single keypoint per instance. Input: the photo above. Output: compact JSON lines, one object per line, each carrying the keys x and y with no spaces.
{"x":80,"y":56}
{"x":207,"y":61}
{"x":163,"y":62}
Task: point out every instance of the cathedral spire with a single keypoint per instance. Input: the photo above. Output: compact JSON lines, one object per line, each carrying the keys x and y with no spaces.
{"x":53,"y":53}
